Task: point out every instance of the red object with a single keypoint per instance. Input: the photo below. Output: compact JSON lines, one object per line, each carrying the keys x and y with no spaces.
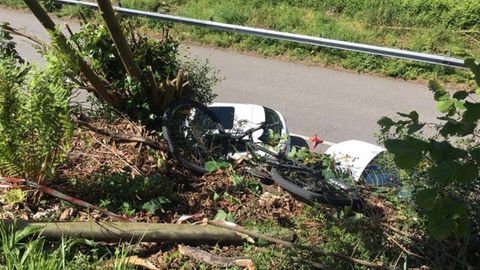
{"x":60,"y":195}
{"x":316,"y":141}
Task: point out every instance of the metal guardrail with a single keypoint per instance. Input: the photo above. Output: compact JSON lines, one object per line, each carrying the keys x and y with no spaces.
{"x":323,"y":42}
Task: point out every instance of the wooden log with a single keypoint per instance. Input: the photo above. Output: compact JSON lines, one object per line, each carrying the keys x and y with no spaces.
{"x":130,"y":231}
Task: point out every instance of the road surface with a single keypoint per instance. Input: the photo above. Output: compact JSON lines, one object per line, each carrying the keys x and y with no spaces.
{"x":337,"y":105}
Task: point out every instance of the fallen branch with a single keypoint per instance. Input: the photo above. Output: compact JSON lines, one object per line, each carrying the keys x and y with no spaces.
{"x":121,"y":137}
{"x":60,"y":195}
{"x":130,"y":231}
{"x":215,"y":260}
{"x":297,"y":246}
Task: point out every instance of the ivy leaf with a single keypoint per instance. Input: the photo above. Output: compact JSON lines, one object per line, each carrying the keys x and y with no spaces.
{"x":213,"y":165}
{"x":155,"y":204}
{"x":426,"y":199}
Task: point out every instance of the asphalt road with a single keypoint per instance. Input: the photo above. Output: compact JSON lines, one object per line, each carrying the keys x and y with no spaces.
{"x":338,"y":105}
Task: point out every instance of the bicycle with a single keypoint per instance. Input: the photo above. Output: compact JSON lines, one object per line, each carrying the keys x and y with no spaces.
{"x":194,"y":136}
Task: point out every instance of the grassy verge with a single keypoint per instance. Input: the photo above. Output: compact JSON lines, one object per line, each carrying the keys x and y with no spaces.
{"x":443,"y":28}
{"x":439,"y":27}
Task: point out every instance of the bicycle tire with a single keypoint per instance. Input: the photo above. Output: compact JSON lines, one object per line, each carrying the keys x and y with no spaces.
{"x":193,"y":134}
{"x":298,"y":188}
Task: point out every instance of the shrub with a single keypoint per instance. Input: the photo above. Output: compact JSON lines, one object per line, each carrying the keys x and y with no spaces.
{"x":444,"y":166}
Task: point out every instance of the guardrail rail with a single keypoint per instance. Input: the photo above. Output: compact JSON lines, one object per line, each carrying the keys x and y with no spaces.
{"x":318,"y":41}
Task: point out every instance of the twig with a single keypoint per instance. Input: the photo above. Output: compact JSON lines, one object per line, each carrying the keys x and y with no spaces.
{"x":133,"y":167}
{"x":297,"y":246}
{"x":24,"y":35}
{"x":121,"y":137}
{"x":213,"y":259}
{"x":404,"y":249}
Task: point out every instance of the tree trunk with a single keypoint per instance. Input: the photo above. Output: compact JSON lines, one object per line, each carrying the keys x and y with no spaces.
{"x":94,"y":80}
{"x":131,"y":231}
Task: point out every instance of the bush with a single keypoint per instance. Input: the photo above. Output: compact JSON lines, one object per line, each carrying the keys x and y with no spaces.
{"x":158,"y":58}
{"x":443,"y":167}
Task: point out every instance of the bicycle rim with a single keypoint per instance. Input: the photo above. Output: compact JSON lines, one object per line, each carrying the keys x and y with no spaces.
{"x":194,"y":135}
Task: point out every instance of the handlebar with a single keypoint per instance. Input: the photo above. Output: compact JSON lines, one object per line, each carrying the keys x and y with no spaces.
{"x":263,"y":125}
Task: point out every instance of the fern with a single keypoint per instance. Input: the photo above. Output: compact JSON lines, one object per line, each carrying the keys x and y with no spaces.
{"x":35,"y":125}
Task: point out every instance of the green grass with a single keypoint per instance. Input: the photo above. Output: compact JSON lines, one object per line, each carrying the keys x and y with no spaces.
{"x":23,"y":250}
{"x":444,"y":27}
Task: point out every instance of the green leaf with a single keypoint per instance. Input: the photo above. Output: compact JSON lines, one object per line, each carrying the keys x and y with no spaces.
{"x":443,"y":151}
{"x":444,"y":105}
{"x":441,"y":230}
{"x":407,"y":152}
{"x":221,"y":215}
{"x":462,"y":228}
{"x":459,"y":105}
{"x":426,"y":199}
{"x":467,"y":173}
{"x":155,"y":204}
{"x":444,"y":174}
{"x":477,"y":91}
{"x":213,"y":165}
{"x":454,"y":172}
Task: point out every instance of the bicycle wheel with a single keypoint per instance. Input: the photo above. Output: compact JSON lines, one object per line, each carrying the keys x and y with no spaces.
{"x":312,"y":187}
{"x":194,"y":135}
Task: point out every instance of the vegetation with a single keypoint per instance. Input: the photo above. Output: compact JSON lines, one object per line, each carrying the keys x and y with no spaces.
{"x":35,"y":126}
{"x":443,"y":167}
{"x":22,"y":250}
{"x":126,"y":176}
{"x":444,"y":27}
{"x":441,"y":27}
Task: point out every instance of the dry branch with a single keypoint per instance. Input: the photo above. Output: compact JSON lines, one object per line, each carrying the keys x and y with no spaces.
{"x":121,"y":137}
{"x":213,"y":259}
{"x":131,"y":231}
